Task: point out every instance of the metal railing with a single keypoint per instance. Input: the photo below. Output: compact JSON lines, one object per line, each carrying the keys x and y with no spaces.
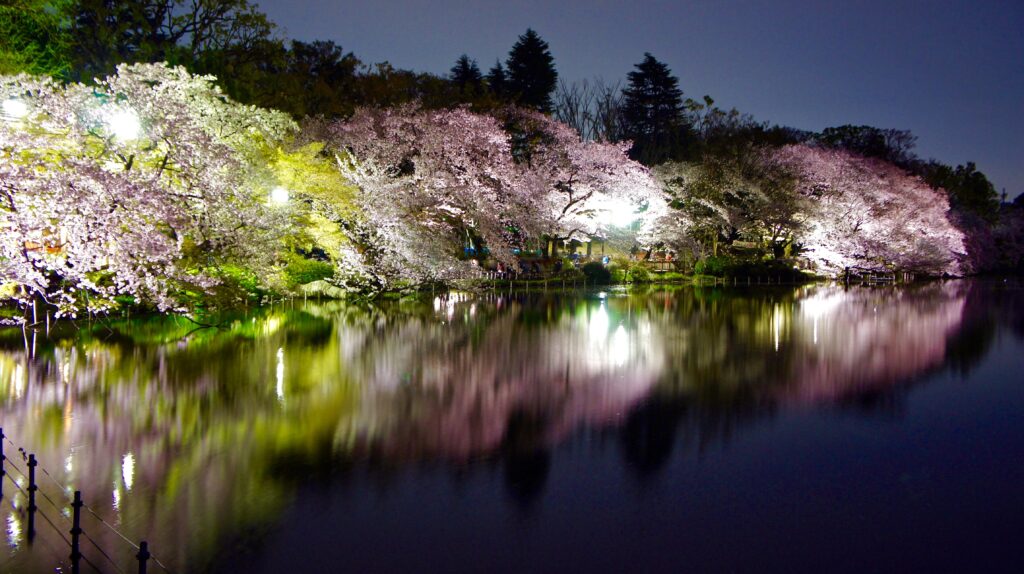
{"x":75,"y":504}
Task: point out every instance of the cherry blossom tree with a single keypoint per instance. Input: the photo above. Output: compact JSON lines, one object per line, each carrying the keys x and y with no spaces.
{"x":432,"y":182}
{"x":578,"y":189}
{"x":741,"y":195}
{"x":429,"y":183}
{"x":148,"y":184}
{"x":867,"y":213}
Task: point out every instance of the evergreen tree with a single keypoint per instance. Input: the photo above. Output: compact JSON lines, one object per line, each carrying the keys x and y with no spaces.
{"x":531,"y":72}
{"x":653,"y":114}
{"x":466,"y":75}
{"x":321,"y":79}
{"x":497,"y":80}
{"x":219,"y":37}
{"x":34,"y":37}
{"x":969,"y":189}
{"x":894,"y":146}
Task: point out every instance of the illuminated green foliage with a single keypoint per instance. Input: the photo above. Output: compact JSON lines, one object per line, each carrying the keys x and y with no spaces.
{"x":34,"y":37}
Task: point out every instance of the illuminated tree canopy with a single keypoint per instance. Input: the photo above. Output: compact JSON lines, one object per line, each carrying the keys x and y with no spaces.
{"x":867,"y":213}
{"x":152,"y":187}
{"x":435,"y":182}
{"x":149,"y":184}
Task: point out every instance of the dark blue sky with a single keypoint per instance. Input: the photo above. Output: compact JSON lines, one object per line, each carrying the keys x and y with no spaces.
{"x":950,"y":71}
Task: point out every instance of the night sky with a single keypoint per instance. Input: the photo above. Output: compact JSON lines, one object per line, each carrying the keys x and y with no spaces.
{"x":950,"y":71}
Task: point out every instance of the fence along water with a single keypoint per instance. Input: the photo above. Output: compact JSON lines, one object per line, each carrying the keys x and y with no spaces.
{"x":76,"y":504}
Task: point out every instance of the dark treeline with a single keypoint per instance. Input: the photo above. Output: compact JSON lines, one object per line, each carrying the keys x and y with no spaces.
{"x":80,"y":40}
{"x":233,"y":40}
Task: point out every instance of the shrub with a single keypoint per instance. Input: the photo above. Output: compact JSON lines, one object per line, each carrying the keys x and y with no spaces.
{"x":597,"y":273}
{"x":301,"y":270}
{"x":776,"y":270}
{"x":639,"y":274}
{"x":712,"y":266}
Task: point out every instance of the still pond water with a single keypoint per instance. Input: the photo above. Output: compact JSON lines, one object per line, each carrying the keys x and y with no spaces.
{"x":774,"y":429}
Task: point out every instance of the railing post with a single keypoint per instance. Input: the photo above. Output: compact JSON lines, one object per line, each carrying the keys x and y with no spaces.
{"x":76,"y":530}
{"x":3,"y":462}
{"x":143,"y":556}
{"x":32,"y":488}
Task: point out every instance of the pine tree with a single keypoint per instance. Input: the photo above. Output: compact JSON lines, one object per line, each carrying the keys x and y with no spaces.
{"x":497,"y":80}
{"x":531,"y":72}
{"x":466,"y":76}
{"x":653,"y":114}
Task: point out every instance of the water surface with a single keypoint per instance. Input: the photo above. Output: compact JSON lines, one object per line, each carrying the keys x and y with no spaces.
{"x":783,"y":429}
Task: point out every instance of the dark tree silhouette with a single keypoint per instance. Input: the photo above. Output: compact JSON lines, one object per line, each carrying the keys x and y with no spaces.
{"x":106,"y":33}
{"x":466,"y":76}
{"x":531,"y":72}
{"x":969,"y":189}
{"x":324,"y":78}
{"x":497,"y":80}
{"x":653,"y":114}
{"x":527,"y":461}
{"x":894,"y":146}
{"x":649,"y":435}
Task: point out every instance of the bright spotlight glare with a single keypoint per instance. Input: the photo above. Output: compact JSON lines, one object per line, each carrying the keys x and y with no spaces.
{"x":279,"y":196}
{"x":15,"y":109}
{"x":617,"y":213}
{"x":124,"y":124}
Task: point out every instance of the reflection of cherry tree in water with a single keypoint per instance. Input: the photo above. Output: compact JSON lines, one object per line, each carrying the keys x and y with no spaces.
{"x":475,"y":382}
{"x":862,"y":339}
{"x":451,"y":389}
{"x":856,"y":348}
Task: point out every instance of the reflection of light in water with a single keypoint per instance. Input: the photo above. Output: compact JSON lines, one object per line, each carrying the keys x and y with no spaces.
{"x":18,"y":380}
{"x":116,"y":497}
{"x":818,"y":306}
{"x":620,"y":349}
{"x":616,"y":349}
{"x":448,"y":301}
{"x":128,"y":470}
{"x":598,"y":324}
{"x":271,"y":326}
{"x":776,"y":324}
{"x":13,"y":529}
{"x":821,"y":304}
{"x":280,"y":374}
{"x":68,"y":464}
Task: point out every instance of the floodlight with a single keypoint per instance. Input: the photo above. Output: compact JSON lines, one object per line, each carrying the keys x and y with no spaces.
{"x":279,"y":196}
{"x":14,"y":109}
{"x":124,"y":124}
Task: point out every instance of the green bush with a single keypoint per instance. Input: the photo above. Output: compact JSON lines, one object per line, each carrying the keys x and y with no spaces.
{"x":301,"y":271}
{"x":712,"y":266}
{"x":597,"y":273}
{"x":639,"y":274}
{"x":671,"y":277}
{"x":776,"y":270}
